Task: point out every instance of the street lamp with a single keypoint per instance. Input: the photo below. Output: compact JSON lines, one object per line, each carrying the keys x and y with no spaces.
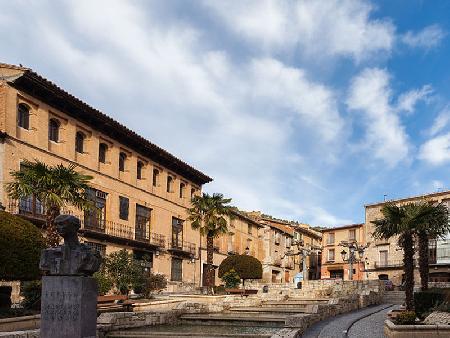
{"x":354,"y":249}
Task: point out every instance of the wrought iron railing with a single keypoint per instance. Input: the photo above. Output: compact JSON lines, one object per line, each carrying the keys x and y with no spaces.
{"x":183,"y":246}
{"x":389,"y":264}
{"x":158,"y":240}
{"x":30,"y":207}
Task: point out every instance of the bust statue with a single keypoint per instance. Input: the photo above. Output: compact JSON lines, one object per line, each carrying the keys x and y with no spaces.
{"x":72,"y":258}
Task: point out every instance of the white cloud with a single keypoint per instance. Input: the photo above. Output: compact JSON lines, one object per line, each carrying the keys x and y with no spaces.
{"x":323,"y":217}
{"x":440,"y":122}
{"x":317,"y":28}
{"x":436,"y":151}
{"x":370,"y":94}
{"x":407,"y":101}
{"x":429,"y":37}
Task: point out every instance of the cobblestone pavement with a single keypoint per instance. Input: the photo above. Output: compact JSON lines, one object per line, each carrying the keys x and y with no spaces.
{"x":335,"y":327}
{"x":372,"y":326}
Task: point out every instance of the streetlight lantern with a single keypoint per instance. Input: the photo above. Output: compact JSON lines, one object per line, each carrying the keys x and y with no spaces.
{"x":344,"y":255}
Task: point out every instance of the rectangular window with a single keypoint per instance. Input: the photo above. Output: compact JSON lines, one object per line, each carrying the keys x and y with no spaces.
{"x":330,"y":238}
{"x":250,"y":229}
{"x":142,"y":226}
{"x":177,"y":233}
{"x":124,"y":206}
{"x":97,"y":247}
{"x":352,"y":235}
{"x":331,"y":255}
{"x":182,"y":189}
{"x":95,"y":218}
{"x":155,"y":177}
{"x":383,"y":257}
{"x":177,"y":270}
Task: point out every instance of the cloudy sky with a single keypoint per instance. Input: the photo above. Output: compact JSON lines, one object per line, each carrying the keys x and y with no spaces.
{"x":306,"y":110}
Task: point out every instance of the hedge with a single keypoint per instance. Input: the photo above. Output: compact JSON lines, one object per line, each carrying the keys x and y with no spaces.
{"x":20,"y":248}
{"x":247,"y":267}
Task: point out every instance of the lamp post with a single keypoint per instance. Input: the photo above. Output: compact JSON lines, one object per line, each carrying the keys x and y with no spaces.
{"x":302,"y":252}
{"x":354,"y":249}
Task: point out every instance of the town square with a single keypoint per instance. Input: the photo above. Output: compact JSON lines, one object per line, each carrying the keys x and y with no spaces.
{"x":228,"y":168}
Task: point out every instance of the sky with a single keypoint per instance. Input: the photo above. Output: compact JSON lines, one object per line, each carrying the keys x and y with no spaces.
{"x":304,"y":110}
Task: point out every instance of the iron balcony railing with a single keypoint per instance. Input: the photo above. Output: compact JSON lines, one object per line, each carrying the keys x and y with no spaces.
{"x":391,"y":264}
{"x":29,"y":207}
{"x":183,"y":246}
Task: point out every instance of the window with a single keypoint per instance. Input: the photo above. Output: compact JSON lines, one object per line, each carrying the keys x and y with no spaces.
{"x":142,"y":226}
{"x":288,"y":242}
{"x":155,"y":177}
{"x":124,"y":205}
{"x":330,"y":238}
{"x":193,"y":191}
{"x":79,"y":142}
{"x":95,"y":218}
{"x":102,"y":150}
{"x":53,"y":130}
{"x":277,"y":237}
{"x":383,"y":257}
{"x":352,"y":235}
{"x":169,"y":184}
{"x":177,"y":233}
{"x":23,"y":116}
{"x":177,"y":270}
{"x":250,"y":229}
{"x":182,"y":189}
{"x":122,"y":159}
{"x":331,"y":255}
{"x":97,"y":247}
{"x":140,"y":166}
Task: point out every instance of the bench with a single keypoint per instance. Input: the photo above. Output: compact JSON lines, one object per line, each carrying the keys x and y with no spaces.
{"x":242,"y":292}
{"x":113,"y":303}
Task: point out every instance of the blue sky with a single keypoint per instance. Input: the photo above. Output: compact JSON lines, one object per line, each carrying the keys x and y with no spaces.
{"x":306,"y":110}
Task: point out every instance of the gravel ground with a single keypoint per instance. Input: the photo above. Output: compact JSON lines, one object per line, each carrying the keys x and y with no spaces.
{"x":374,"y":324}
{"x":334,"y":327}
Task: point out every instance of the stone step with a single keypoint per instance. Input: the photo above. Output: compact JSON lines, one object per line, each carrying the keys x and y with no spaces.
{"x":138,"y":334}
{"x":236,"y":319}
{"x":269,"y":309}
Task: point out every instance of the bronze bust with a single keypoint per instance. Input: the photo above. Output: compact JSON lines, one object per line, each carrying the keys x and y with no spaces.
{"x":72,"y":258}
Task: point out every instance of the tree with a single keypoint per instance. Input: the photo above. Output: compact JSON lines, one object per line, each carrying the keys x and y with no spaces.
{"x":231,"y":279}
{"x":54,"y":186}
{"x":403,"y":221}
{"x":125,"y":272}
{"x":208,"y":215}
{"x":20,"y":248}
{"x":247,"y":267}
{"x":435,"y":225}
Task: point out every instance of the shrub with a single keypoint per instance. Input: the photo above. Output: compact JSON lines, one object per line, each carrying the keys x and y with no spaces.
{"x":125,"y":272}
{"x":20,"y":248}
{"x":424,"y":301}
{"x":247,"y":267}
{"x":154,"y":283}
{"x":104,"y":282}
{"x":31,"y":292}
{"x":406,"y":318}
{"x":442,"y":307}
{"x":231,"y":279}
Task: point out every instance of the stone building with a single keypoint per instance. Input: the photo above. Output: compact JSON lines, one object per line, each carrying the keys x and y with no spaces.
{"x":142,"y":192}
{"x":311,"y":240}
{"x":333,"y":266}
{"x":385,"y":257}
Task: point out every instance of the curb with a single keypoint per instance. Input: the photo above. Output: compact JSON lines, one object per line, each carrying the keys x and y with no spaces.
{"x":345,"y":332}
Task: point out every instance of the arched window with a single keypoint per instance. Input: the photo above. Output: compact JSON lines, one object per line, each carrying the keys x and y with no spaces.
{"x":193,"y":192}
{"x":79,"y":142}
{"x":182,"y":188}
{"x":23,"y":116}
{"x":155,"y":177}
{"x":53,"y":130}
{"x":169,"y":183}
{"x":140,"y":166}
{"x":122,"y":159}
{"x":102,"y":149}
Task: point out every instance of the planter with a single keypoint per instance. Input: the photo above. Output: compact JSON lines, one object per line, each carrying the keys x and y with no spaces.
{"x":415,"y":331}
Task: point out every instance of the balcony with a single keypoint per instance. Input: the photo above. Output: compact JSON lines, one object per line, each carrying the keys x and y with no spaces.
{"x":150,"y":237}
{"x":277,"y":261}
{"x":30,"y":208}
{"x":389,"y":264}
{"x":182,"y":247}
{"x":289,"y":265}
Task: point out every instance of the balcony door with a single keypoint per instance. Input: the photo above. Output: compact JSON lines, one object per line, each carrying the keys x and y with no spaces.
{"x":383,"y":258}
{"x":95,"y":219}
{"x":142,"y":225}
{"x":177,"y":233}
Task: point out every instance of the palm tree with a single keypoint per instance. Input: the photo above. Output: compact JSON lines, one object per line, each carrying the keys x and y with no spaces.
{"x":403,"y":221}
{"x":54,"y":186}
{"x":208,"y":215}
{"x":435,"y":225}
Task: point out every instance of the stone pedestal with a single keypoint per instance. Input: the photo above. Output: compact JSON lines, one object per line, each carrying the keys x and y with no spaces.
{"x":68,"y":307}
